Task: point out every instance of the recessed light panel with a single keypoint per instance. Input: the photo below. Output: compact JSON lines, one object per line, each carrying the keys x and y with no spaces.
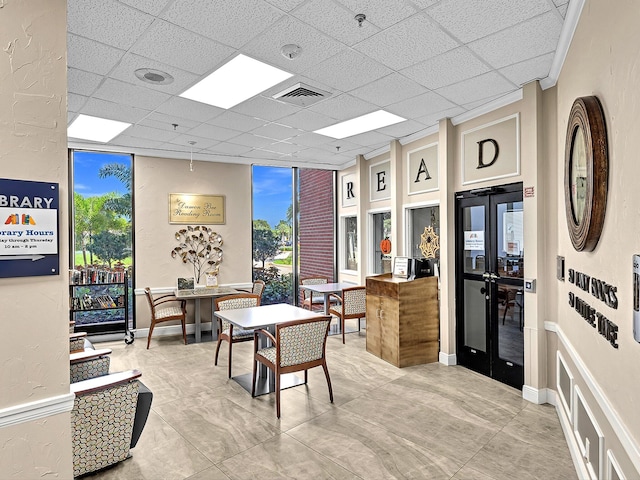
{"x":365,"y":123}
{"x":96,"y":129}
{"x":235,"y":82}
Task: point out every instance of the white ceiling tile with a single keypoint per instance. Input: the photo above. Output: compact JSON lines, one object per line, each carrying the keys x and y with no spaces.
{"x":336,"y":21}
{"x":433,"y":118}
{"x":200,"y":142}
{"x":165,"y":122}
{"x":232,"y":23}
{"x":106,"y":21}
{"x":75,"y":102}
{"x":82,"y":83}
{"x":184,"y":108}
{"x":382,"y":14}
{"x":370,"y":139}
{"x":225,"y":148}
{"x":402,"y":129}
{"x":420,"y":106}
{"x":246,"y":139}
{"x":276,"y":131}
{"x":286,"y":5}
{"x":129,"y":94}
{"x":390,"y":89}
{"x":478,"y":88}
{"x":524,"y":41}
{"x":307,"y":120}
{"x":408,"y":42}
{"x":154,"y":7}
{"x":344,"y":107}
{"x":450,"y":67}
{"x":71,"y":116}
{"x":113,"y":111}
{"x":284,"y":147}
{"x":236,"y":121}
{"x":469,"y":20}
{"x":266,"y":108}
{"x":562,"y":10}
{"x":347,"y":70}
{"x":149,"y":133}
{"x":181,"y":48}
{"x":559,"y":3}
{"x":316,"y":46}
{"x":125,"y":71}
{"x":219,"y":134}
{"x":261,"y":154}
{"x":129,"y":141}
{"x":310,"y":139}
{"x":524,"y":72}
{"x":91,"y":56}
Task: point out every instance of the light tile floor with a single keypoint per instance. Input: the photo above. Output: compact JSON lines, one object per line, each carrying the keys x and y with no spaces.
{"x":423,"y":422}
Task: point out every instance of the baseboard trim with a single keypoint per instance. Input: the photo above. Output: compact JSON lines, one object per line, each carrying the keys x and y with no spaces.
{"x":623,"y":434}
{"x":538,"y":395}
{"x":448,"y":359}
{"x":28,"y":412}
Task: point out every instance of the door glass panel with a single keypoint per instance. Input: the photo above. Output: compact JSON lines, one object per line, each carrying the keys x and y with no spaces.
{"x":474,"y":241}
{"x":475,"y":327}
{"x":510,"y":256}
{"x":419,"y":219}
{"x":510,"y":323}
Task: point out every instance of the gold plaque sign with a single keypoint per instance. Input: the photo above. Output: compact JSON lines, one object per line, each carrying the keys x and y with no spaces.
{"x":192,"y":208}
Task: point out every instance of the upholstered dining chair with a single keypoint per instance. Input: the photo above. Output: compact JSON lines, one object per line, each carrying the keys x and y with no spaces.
{"x":226,"y":330}
{"x":257,"y":288}
{"x":89,"y":364}
{"x":298,"y":345}
{"x":165,"y":308}
{"x":352,"y":304}
{"x":308,"y":301}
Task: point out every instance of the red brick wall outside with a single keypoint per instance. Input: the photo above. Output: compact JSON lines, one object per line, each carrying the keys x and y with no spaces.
{"x":317,"y":215}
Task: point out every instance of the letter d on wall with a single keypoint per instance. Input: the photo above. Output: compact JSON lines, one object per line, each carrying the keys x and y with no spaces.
{"x":481,"y":144}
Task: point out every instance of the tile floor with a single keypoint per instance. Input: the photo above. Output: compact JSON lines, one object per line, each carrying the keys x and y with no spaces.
{"x":423,"y":422}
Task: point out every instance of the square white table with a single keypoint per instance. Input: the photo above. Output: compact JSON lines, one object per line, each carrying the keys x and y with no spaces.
{"x":266,"y":317}
{"x":204,"y":292}
{"x":327,"y":289}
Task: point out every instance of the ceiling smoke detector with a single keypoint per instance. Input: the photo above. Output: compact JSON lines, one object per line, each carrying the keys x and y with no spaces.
{"x":291,"y":51}
{"x":302,"y":95}
{"x":361,"y":17}
{"x":154,"y":77}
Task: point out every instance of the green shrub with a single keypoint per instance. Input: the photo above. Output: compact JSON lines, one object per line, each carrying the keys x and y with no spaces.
{"x":277,"y":286}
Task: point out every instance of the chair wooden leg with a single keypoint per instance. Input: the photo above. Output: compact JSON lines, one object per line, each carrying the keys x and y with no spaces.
{"x":278,"y":394}
{"x":305,"y":376}
{"x":230,"y":345}
{"x":342,"y":327}
{"x":217,"y":349}
{"x":326,"y":374}
{"x":150,"y":332}
{"x":184,"y":330}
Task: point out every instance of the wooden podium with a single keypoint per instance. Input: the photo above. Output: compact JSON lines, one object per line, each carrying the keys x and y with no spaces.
{"x":403,"y":320}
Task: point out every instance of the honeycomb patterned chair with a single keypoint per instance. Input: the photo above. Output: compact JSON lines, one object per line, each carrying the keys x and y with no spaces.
{"x":308,"y":301}
{"x":226,"y":331}
{"x":298,"y":345}
{"x":89,"y":364}
{"x":165,"y":308}
{"x":352,"y":304}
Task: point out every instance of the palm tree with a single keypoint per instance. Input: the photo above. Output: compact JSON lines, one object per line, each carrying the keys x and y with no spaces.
{"x":120,"y":204}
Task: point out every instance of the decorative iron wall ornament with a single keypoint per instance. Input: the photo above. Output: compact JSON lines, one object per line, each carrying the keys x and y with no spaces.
{"x":586,"y":172}
{"x":199,"y":246}
{"x":429,"y":242}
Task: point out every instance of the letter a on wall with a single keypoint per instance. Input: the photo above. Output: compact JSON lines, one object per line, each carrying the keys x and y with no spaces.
{"x":422,"y":169}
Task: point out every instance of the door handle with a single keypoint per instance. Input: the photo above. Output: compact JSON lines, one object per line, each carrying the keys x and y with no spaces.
{"x":486,"y":275}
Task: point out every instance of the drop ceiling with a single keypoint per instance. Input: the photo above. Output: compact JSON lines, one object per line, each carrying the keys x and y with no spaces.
{"x":423,"y":60}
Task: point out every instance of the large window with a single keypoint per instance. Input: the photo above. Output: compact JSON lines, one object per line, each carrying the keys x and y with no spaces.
{"x":350,"y":243}
{"x":101,"y":238}
{"x":293,"y":228}
{"x":381,"y":230}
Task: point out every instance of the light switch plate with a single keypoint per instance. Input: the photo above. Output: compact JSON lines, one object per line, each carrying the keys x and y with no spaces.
{"x":530,"y":285}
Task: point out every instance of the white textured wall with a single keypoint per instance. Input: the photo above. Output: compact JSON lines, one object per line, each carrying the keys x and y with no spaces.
{"x":34,"y":318}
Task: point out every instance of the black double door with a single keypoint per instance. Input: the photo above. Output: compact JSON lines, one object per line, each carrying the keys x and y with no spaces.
{"x":489,"y":282}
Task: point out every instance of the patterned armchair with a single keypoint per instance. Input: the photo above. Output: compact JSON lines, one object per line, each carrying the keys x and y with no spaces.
{"x":298,"y":345}
{"x":77,"y":341}
{"x":89,"y":364}
{"x":226,"y":331}
{"x":161,"y":312}
{"x":352,"y":304}
{"x":102,"y":420}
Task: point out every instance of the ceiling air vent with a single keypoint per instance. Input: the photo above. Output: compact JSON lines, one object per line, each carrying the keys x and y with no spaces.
{"x":302,"y":95}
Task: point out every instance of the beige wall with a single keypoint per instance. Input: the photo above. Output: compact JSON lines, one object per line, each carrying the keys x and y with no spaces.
{"x":155,"y":179}
{"x":603,"y":61}
{"x":33,"y":146}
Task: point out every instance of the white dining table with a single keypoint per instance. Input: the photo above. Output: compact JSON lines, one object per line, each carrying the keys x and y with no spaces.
{"x":266,"y":316}
{"x":326,"y":289}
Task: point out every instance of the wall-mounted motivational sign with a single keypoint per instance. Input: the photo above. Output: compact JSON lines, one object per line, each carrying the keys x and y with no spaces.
{"x":491,"y":151}
{"x":380,"y":181}
{"x":422,"y":169}
{"x":28,"y":228}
